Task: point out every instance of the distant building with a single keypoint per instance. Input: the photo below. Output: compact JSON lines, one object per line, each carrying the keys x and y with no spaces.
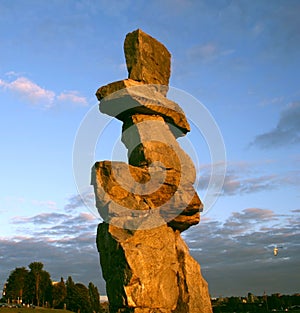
{"x":55,"y":283}
{"x":103,"y":299}
{"x":4,"y":291}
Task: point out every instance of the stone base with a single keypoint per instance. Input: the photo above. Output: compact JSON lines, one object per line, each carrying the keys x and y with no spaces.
{"x":149,"y":271}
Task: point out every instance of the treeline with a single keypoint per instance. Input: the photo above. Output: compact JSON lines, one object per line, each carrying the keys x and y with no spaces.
{"x":34,"y":286}
{"x":259,"y":304}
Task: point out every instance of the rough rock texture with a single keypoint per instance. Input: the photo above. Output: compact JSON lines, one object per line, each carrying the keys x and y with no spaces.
{"x":147,"y":59}
{"x":147,"y":203}
{"x":125,"y":98}
{"x":134,"y":197}
{"x":150,"y":271}
{"x":109,"y":89}
{"x":158,"y":145}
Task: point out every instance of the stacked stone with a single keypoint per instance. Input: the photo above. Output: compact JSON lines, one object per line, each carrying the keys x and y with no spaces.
{"x":151,"y":124}
{"x":147,"y":203}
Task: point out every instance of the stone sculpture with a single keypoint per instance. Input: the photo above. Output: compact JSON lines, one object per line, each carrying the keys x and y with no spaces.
{"x":147,"y":203}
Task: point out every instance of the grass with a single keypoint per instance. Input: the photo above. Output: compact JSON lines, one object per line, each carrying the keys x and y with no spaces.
{"x":44,"y":310}
{"x":31,"y":310}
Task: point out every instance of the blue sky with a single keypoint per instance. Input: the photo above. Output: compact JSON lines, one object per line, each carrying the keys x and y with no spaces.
{"x":238,"y":58}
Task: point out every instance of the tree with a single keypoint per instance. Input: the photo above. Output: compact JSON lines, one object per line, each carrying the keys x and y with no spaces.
{"x":77,"y":299}
{"x":71,"y":293}
{"x":274,"y":302}
{"x":16,"y":283}
{"x":59,"y":293}
{"x":40,"y":283}
{"x":35,"y":272}
{"x":29,"y":292}
{"x":83,"y":303}
{"x":45,"y":288}
{"x":233,"y":304}
{"x":94,"y":298}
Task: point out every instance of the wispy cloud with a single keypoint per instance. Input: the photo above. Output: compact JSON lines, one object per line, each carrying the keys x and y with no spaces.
{"x":49,"y":204}
{"x":64,"y":240}
{"x":236,"y":184}
{"x":40,"y":219}
{"x":236,"y":251}
{"x":258,"y":28}
{"x":73,"y":221}
{"x":244,"y":178}
{"x":208,"y":52}
{"x":73,"y":97}
{"x":285,"y":133}
{"x":247,"y":220}
{"x":272,"y":101}
{"x":239,"y":252}
{"x":84,"y":200}
{"x":38,"y":96}
{"x":76,"y":257}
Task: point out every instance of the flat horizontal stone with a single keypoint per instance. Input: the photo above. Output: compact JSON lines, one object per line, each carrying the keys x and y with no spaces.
{"x":142,"y":99}
{"x":109,"y":89}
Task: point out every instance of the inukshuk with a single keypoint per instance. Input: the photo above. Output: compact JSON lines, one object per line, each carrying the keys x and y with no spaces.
{"x":147,"y":203}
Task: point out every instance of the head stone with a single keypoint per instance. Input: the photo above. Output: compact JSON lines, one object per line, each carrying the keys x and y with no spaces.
{"x":147,"y":59}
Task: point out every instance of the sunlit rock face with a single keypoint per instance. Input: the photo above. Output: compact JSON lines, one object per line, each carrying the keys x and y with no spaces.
{"x":150,"y":271}
{"x":147,"y":59}
{"x":148,"y":202}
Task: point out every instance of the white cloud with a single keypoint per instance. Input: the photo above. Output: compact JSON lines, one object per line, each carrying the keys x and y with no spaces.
{"x":30,"y":91}
{"x":73,"y":97}
{"x":38,"y":96}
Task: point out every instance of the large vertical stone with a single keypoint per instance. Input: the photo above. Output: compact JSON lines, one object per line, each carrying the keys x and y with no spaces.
{"x":147,"y":59}
{"x":150,"y":271}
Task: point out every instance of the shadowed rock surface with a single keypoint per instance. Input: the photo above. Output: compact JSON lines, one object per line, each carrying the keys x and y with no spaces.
{"x":147,"y":203}
{"x":150,"y":271}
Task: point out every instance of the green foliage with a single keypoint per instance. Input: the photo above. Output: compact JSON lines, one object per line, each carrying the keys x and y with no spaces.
{"x":41,"y":284}
{"x":78,"y":297}
{"x":16,"y":283}
{"x":94,"y":298}
{"x":59,"y":293}
{"x":29,"y":292}
{"x":71,"y":294}
{"x":259,"y":304}
{"x":34,"y":286}
{"x":83,"y":303}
